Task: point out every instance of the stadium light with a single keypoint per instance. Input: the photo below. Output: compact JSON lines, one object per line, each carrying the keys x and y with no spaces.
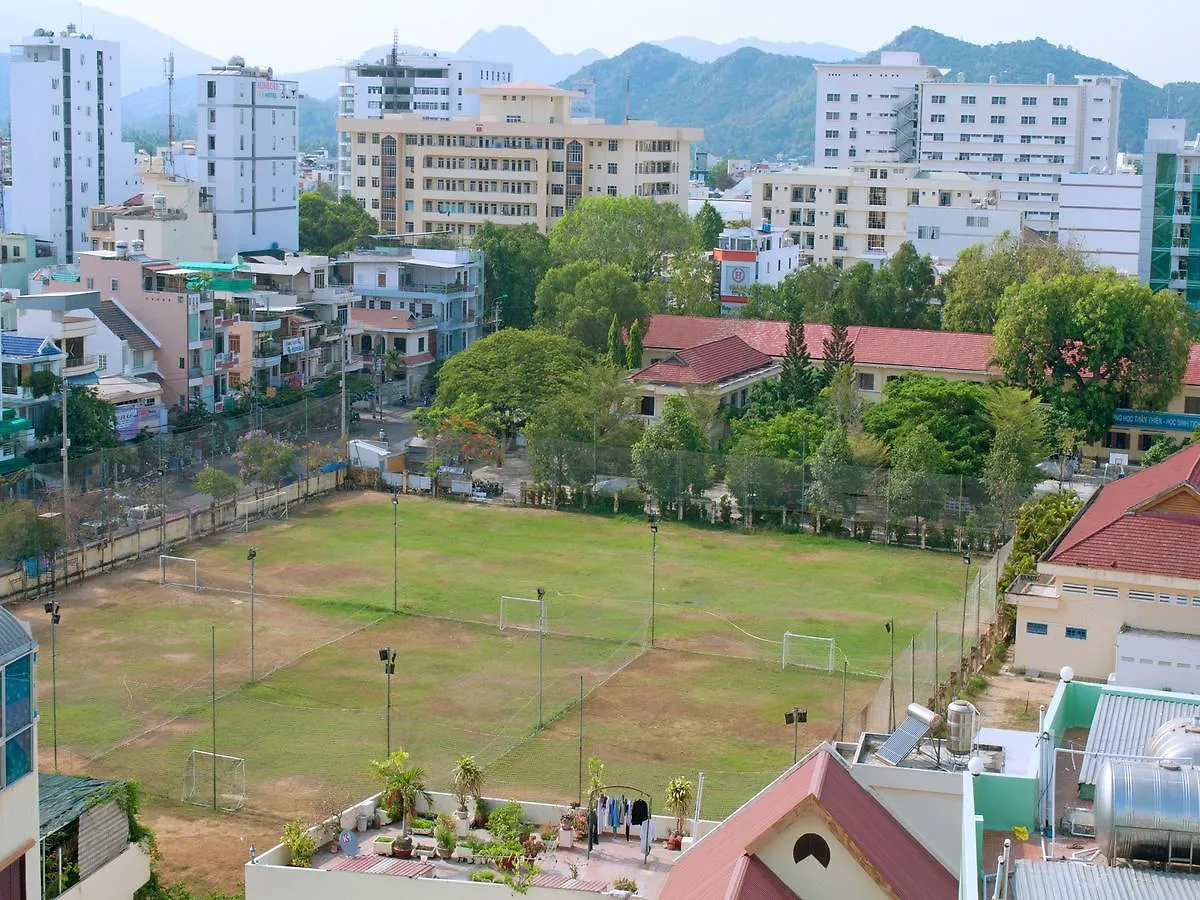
{"x":251,"y":555}
{"x":795,"y":717}
{"x":962,"y":634}
{"x":387,"y":656}
{"x":653,"y":519}
{"x":55,"y":617}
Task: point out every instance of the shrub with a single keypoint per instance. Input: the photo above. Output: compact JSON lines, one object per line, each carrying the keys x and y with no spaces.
{"x":505,"y":823}
{"x":423,"y":824}
{"x":625,"y":884}
{"x":299,"y":843}
{"x":484,"y":875}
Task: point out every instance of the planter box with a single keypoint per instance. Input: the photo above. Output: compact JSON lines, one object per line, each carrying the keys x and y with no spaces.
{"x":463,"y":853}
{"x":382,"y":846}
{"x":424,"y":832}
{"x":566,"y":838}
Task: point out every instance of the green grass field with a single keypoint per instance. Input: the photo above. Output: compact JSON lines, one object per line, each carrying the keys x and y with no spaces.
{"x":134,"y":661}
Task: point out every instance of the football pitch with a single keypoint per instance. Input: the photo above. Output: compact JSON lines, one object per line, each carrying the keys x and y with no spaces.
{"x":139,"y":663}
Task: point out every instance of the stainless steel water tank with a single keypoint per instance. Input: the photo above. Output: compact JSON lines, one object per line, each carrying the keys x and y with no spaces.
{"x":1177,"y":739}
{"x":1148,"y":811}
{"x":961,"y":720}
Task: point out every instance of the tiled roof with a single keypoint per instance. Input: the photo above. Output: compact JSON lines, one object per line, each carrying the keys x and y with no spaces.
{"x":382,"y":319}
{"x":884,"y":847}
{"x":20,"y":345}
{"x":119,"y":323}
{"x":1192,"y":376}
{"x":906,"y":347}
{"x":709,"y":363}
{"x":1116,"y":531}
{"x":418,"y":359}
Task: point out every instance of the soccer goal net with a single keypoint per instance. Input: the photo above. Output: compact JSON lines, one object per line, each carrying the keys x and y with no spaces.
{"x":214,"y":780}
{"x":181,"y":571}
{"x":808,"y":651}
{"x":524,"y":613}
{"x":254,"y":508}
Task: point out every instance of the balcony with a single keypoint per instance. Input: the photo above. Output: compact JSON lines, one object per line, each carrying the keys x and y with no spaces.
{"x":265,"y":325}
{"x":79,"y":365}
{"x":338,"y":294}
{"x":225,"y":361}
{"x":224,"y":321}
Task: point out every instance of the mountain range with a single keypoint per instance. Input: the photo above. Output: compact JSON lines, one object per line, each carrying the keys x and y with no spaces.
{"x":755,"y":104}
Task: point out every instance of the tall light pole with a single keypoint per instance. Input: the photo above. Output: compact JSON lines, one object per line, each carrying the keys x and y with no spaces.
{"x":653,"y":570}
{"x":962,"y":634}
{"x":251,"y":554}
{"x":395,"y":551}
{"x":541,"y":599}
{"x":387,"y":656}
{"x":55,"y":617}
{"x":890,"y":625}
{"x":795,"y":717}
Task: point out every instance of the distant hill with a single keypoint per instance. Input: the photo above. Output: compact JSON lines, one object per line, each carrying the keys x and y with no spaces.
{"x":706,"y":51}
{"x":532,"y":60}
{"x":754,"y":104}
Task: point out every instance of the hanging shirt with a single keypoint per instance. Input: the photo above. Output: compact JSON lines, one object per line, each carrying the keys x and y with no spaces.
{"x":647,"y":836}
{"x":641,"y":812}
{"x":614,"y":814}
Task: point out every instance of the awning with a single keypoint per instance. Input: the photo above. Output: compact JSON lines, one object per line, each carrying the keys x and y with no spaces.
{"x":15,"y":464}
{"x":88,"y":378}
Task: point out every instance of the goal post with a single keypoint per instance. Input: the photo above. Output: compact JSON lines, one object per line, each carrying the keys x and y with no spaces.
{"x":808,"y":651}
{"x":214,"y":780}
{"x":180,"y":571}
{"x":514,"y":613}
{"x":254,"y":508}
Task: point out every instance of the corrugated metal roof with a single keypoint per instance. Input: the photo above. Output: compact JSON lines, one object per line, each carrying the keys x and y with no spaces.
{"x":63,"y":798}
{"x":1122,"y":726}
{"x":14,"y":639}
{"x":1075,"y":881}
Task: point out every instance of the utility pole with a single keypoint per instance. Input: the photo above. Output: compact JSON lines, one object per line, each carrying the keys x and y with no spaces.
{"x":66,"y":444}
{"x":342,"y":347}
{"x":541,"y":598}
{"x":251,"y":554}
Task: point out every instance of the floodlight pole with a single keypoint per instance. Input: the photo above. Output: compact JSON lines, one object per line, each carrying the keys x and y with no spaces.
{"x":541,"y":599}
{"x":214,"y":715}
{"x":250,"y":556}
{"x":891,"y":630}
{"x":52,"y":609}
{"x":395,"y":551}
{"x":387,"y":656}
{"x":962,"y":634}
{"x":653,"y":571}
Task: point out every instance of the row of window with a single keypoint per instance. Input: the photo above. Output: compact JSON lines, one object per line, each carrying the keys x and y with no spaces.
{"x":966,"y":138}
{"x":1070,"y":631}
{"x":997,"y":100}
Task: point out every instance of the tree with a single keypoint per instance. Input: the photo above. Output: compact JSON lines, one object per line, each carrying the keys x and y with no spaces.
{"x":1090,"y":343}
{"x":616,"y":345}
{"x":466,"y":780}
{"x":512,"y":371}
{"x":914,"y":486}
{"x":632,"y":232}
{"x":709,"y":226}
{"x":981,"y":276}
{"x":680,"y":795}
{"x":91,"y":422}
{"x":912,"y":281}
{"x":843,"y":404}
{"x":329,"y":227}
{"x":836,"y":482}
{"x":765,"y":456}
{"x":689,"y":287}
{"x":1039,"y":523}
{"x":515,"y":259}
{"x":797,"y":380}
{"x":1008,"y":474}
{"x":264,"y":458}
{"x":41,"y":383}
{"x":837,"y":350}
{"x":1162,"y":447}
{"x":633,"y":352}
{"x":579,"y":300}
{"x":24,"y":534}
{"x":219,"y":485}
{"x":670,"y":457}
{"x":403,"y":785}
{"x":462,"y":433}
{"x":718,"y":177}
{"x":953,"y":412}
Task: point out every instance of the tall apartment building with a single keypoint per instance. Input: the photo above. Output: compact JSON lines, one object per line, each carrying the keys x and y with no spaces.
{"x":1169,"y":249}
{"x":1024,"y":136}
{"x":869,"y":112}
{"x":524,"y":159}
{"x":247,"y":128}
{"x":840,"y":216}
{"x":1101,"y":214}
{"x":67,"y":152}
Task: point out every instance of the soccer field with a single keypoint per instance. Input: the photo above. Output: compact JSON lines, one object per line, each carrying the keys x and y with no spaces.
{"x":135,"y":658}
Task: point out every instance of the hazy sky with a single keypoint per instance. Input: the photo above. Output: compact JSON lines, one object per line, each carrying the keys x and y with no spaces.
{"x":1153,"y":38}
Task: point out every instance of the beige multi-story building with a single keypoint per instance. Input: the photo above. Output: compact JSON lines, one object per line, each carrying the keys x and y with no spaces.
{"x":523,"y":159}
{"x":862,"y":212}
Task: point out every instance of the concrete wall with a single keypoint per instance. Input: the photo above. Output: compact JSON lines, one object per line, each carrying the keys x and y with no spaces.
{"x":19,"y":828}
{"x":265,"y":882}
{"x":116,"y":880}
{"x":845,"y":877}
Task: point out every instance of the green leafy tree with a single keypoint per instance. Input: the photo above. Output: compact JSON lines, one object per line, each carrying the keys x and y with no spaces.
{"x":837,"y":350}
{"x":616,"y":345}
{"x":633,"y":232}
{"x":633,"y":352}
{"x":709,"y":226}
{"x":912,"y":282}
{"x":579,"y":300}
{"x":765,"y":456}
{"x":1086,"y":342}
{"x":41,"y":383}
{"x":329,"y":227}
{"x":512,"y":371}
{"x":463,"y":433}
{"x":264,"y":458}
{"x":1039,"y":523}
{"x":689,"y":286}
{"x":219,"y":485}
{"x":842,"y":402}
{"x":797,"y":380}
{"x":718,"y":177}
{"x":670,"y":457}
{"x":515,"y":260}
{"x":1008,"y":475}
{"x":983,"y":273}
{"x":91,"y":422}
{"x":403,"y":786}
{"x":1162,"y":447}
{"x":953,"y":412}
{"x":24,"y":534}
{"x":836,"y":482}
{"x":915,"y":486}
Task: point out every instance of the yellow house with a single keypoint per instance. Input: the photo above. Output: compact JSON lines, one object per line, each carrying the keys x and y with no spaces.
{"x":1119,"y":591}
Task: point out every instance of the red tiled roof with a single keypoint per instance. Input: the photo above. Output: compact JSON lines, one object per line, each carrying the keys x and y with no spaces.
{"x":891,"y":855}
{"x":709,"y":363}
{"x":418,"y":359}
{"x":1192,"y":376}
{"x":752,"y":880}
{"x":907,"y":347}
{"x":382,"y":319}
{"x":1111,"y":532}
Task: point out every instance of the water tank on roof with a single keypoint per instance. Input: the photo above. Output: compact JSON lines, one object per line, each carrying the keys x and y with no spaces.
{"x":122,"y":249}
{"x":1178,"y":739}
{"x":159,"y":202}
{"x":962,"y":720}
{"x":237,"y":62}
{"x":1148,"y":811}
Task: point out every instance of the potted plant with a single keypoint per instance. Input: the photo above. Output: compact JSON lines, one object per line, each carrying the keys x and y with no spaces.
{"x":445,"y":837}
{"x":403,"y":786}
{"x":480,"y":819}
{"x":549,"y":835}
{"x":465,"y":781}
{"x":382,"y":845}
{"x":566,"y":828}
{"x":624,"y":887}
{"x":421,"y":826}
{"x":680,"y":795}
{"x":299,"y":843}
{"x":402,"y":847}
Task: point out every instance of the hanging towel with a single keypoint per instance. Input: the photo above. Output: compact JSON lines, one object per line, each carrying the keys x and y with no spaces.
{"x":641,"y":812}
{"x":647,"y":836}
{"x":614,"y":814}
{"x":603,"y":817}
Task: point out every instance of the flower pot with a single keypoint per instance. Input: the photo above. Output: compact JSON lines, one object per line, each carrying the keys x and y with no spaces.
{"x":382,"y":846}
{"x":444,"y":852}
{"x":566,"y":838}
{"x":462,"y":825}
{"x":382,"y":818}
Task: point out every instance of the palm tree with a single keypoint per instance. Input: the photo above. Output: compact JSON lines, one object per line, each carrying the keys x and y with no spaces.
{"x":393,"y":363}
{"x":403,"y":785}
{"x":467,"y":780}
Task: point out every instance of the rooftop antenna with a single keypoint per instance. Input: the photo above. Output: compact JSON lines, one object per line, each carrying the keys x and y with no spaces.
{"x":627,"y":93}
{"x":169,"y":71}
{"x":395,"y":45}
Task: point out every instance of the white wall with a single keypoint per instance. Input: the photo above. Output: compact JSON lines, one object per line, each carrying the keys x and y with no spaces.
{"x":118,"y":879}
{"x":843,"y":879}
{"x":942,"y":232}
{"x":1159,"y":661}
{"x":1102,"y":215}
{"x":19,"y":825}
{"x":929,"y":804}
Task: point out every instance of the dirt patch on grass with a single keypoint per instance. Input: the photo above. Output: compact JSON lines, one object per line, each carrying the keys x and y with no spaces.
{"x":205,"y":849}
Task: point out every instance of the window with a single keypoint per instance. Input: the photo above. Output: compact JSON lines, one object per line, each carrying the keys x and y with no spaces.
{"x":928,"y":232}
{"x":833,"y":98}
{"x":938,"y":136}
{"x":831,"y":133}
{"x":361,"y":181}
{"x":831,"y":151}
{"x":18,"y":703}
{"x":212,"y":89}
{"x":966,"y":120}
{"x":977,"y":221}
{"x":212,"y":170}
{"x":1029,"y":101}
{"x":1058,"y":120}
{"x":968,"y":100}
{"x":1060,"y":101}
{"x":1061,"y":139}
{"x":1076,"y":634}
{"x":937,"y":98}
{"x":841,"y":198}
{"x":937,"y":118}
{"x":997,"y":120}
{"x":1036,"y":628}
{"x":102,"y":360}
{"x":999,"y":101}
{"x":964,"y":138}
{"x":113,"y":284}
{"x":612,"y":190}
{"x":866,"y":381}
{"x":832,"y":116}
{"x":1191,"y":405}
{"x":612,"y":146}
{"x":1117,"y":440}
{"x":1028,"y":120}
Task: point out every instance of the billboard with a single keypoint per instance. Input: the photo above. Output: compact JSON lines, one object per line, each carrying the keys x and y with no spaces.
{"x":293,"y":345}
{"x":127,"y":421}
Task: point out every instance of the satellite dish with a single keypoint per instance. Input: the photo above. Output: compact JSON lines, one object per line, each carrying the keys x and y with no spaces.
{"x":349,"y":843}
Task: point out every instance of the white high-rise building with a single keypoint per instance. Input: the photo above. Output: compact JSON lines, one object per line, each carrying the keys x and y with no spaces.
{"x":246,"y":136}
{"x":1101,"y":215}
{"x":432,"y":86}
{"x":67,"y":152}
{"x":868,"y":113}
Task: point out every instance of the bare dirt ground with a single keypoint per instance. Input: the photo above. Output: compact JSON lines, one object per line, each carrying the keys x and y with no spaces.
{"x":201,"y":848}
{"x":1012,"y":701}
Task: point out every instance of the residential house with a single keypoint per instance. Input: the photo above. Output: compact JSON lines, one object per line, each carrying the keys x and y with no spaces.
{"x":20,"y":857}
{"x":727,"y":366}
{"x":124,"y":346}
{"x":22,"y":356}
{"x":1119,"y":590}
{"x":749,"y":256}
{"x":67,"y":319}
{"x":445,"y":285}
{"x":397,"y":330}
{"x":138,"y":403}
{"x":170,"y":219}
{"x":20,"y":256}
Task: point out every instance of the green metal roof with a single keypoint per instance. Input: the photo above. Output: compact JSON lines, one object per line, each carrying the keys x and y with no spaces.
{"x":17,"y":463}
{"x":210,"y":266}
{"x":63,"y":798}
